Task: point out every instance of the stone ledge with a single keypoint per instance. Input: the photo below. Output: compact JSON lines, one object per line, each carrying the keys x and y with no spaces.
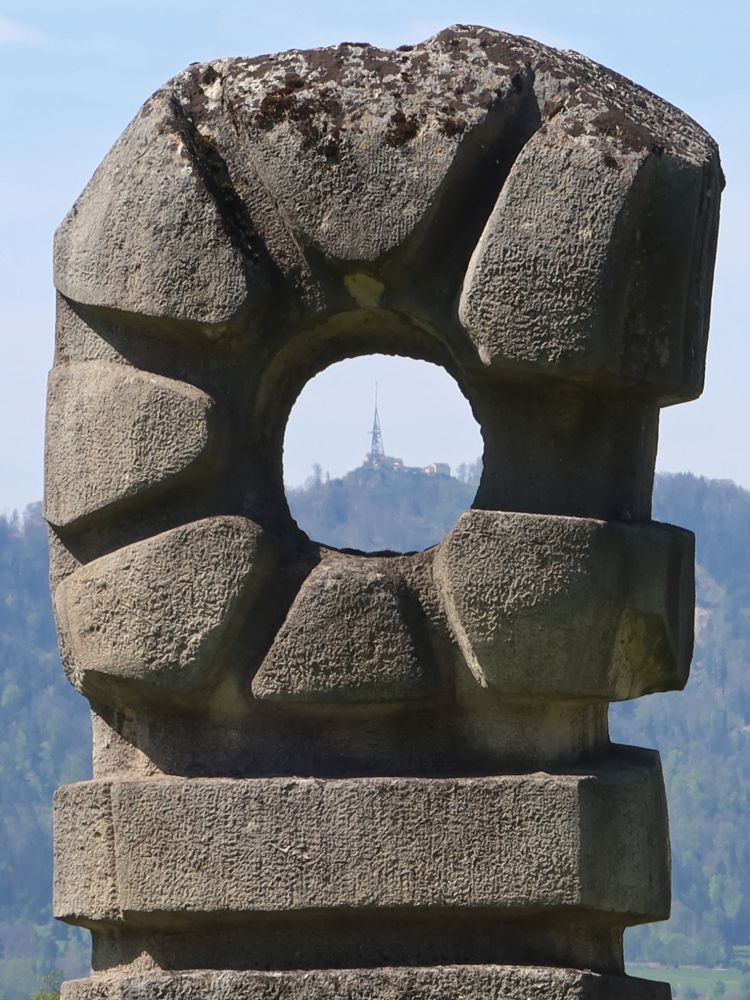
{"x":437,"y":983}
{"x":167,"y":852}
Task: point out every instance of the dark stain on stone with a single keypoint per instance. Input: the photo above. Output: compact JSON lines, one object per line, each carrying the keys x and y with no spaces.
{"x":274,"y":107}
{"x":401,"y":129}
{"x":629,"y":135}
{"x":209,"y":76}
{"x":212,"y":169}
{"x":330,"y":148}
{"x":609,"y":161}
{"x":317,"y":118}
{"x":498,"y":48}
{"x":452,"y":126}
{"x":386,"y":66}
{"x":293,"y":81}
{"x":331,"y":105}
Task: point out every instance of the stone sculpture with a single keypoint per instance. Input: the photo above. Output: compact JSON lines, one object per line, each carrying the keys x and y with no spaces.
{"x":335,"y":774}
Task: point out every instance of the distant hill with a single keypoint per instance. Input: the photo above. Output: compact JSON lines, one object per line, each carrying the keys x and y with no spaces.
{"x":381,"y":508}
{"x":703,"y":733}
{"x":704,"y":736}
{"x":45,"y":739}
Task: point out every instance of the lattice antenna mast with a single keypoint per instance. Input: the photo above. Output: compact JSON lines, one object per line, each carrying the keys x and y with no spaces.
{"x":376,"y":436}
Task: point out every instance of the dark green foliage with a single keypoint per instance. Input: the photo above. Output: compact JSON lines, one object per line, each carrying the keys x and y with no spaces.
{"x":44,"y":740}
{"x":703,"y":733}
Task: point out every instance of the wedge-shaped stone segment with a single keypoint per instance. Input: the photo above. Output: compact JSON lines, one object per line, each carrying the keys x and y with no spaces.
{"x":176,"y":848}
{"x":597,"y":260}
{"x":154,"y":232}
{"x":562,"y":607}
{"x":456,"y":982}
{"x":156,"y":615}
{"x":353,"y":132}
{"x":348,"y":637}
{"x":114,"y":433}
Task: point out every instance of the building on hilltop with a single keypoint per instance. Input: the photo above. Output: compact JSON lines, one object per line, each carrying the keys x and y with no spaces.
{"x":437,"y":469}
{"x":376,"y":457}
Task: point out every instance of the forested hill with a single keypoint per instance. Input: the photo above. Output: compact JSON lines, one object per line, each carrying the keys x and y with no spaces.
{"x":376,"y":509}
{"x":703,"y":733}
{"x":44,"y":740}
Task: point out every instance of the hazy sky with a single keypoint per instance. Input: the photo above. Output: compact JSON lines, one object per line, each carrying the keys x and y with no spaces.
{"x":74,"y":73}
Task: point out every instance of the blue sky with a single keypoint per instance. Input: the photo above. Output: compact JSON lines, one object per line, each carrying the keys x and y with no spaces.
{"x":74,"y":73}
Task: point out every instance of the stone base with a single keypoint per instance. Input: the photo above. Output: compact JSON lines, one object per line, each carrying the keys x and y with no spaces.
{"x":456,"y":982}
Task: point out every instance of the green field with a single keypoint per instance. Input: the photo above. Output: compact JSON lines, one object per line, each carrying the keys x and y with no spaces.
{"x":703,"y":981}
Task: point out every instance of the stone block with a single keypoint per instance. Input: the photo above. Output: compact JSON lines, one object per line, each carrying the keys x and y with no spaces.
{"x":183,"y":849}
{"x":115,"y":433}
{"x":562,"y":607}
{"x":151,"y":233}
{"x":587,"y":267}
{"x":350,"y":635}
{"x":151,"y":619}
{"x":469,"y":982}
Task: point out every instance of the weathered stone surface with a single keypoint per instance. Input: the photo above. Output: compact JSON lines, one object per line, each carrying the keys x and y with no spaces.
{"x":562,"y":607}
{"x":577,"y":176}
{"x":176,"y":847}
{"x":559,"y":279}
{"x":114,"y":433}
{"x":438,"y":983}
{"x":152,"y":233}
{"x":338,"y":137}
{"x":159,"y":611}
{"x":333,"y":645}
{"x":554,"y":449}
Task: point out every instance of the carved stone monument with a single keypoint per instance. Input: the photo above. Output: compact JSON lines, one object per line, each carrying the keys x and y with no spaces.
{"x":333,"y":774}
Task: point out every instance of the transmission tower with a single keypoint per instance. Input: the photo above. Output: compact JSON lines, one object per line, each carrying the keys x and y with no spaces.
{"x":377,"y":451}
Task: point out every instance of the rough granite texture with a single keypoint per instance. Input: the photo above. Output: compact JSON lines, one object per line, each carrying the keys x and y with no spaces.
{"x":338,"y":774}
{"x":332,"y":644}
{"x":440,"y":983}
{"x":114,"y":434}
{"x":157,"y":612}
{"x":528,"y":595}
{"x":161,"y":847}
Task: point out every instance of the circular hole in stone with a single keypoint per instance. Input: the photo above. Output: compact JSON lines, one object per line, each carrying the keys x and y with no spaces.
{"x":398,"y":484}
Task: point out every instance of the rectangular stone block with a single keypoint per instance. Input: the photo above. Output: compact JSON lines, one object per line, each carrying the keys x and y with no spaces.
{"x":177,"y":849}
{"x":437,"y":983}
